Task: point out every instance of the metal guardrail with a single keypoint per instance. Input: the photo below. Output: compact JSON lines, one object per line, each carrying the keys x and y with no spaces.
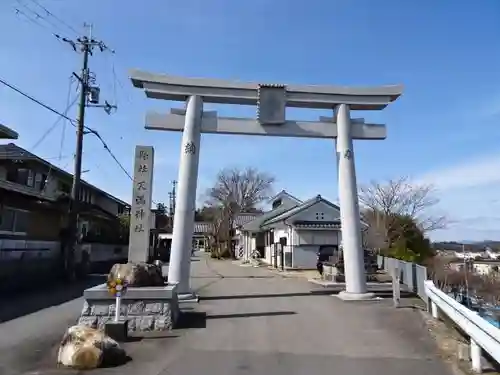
{"x":412,"y":275}
{"x":483,"y":335}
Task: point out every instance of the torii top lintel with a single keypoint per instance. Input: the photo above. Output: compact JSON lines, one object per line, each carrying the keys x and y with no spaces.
{"x":162,"y":86}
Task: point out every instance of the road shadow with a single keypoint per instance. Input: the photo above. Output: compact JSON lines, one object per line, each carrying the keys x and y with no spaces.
{"x":27,"y":302}
{"x":315,"y":292}
{"x":148,"y":336}
{"x":111,"y":360}
{"x":232,"y":277}
{"x":198,"y":319}
{"x":250,"y":296}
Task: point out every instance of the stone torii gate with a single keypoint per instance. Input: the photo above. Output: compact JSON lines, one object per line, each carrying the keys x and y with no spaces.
{"x":271,"y":101}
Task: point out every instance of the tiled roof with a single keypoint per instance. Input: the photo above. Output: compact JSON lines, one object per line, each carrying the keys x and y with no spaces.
{"x":239,"y":220}
{"x":11,"y":151}
{"x":254,"y":225}
{"x":299,"y":208}
{"x":7,"y":133}
{"x":317,"y":224}
{"x":202,"y":227}
{"x":244,"y":218}
{"x":284,"y":193}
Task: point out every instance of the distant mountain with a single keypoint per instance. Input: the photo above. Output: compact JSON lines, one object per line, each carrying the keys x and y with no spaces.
{"x":469,"y":245}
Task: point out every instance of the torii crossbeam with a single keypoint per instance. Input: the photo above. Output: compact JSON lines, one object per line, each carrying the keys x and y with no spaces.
{"x":271,"y":101}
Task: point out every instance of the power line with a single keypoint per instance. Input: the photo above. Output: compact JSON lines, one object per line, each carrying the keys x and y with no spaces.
{"x":106,"y":147}
{"x":59,"y":118}
{"x":49,"y":13}
{"x":38,"y":17}
{"x":37,"y":101}
{"x":32,"y":20}
{"x":72,"y":121}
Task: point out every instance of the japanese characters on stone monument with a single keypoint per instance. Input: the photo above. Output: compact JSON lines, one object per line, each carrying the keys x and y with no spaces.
{"x":142,"y":192}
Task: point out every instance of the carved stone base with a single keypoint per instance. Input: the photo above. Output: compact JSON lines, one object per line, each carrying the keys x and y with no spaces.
{"x":146,"y":309}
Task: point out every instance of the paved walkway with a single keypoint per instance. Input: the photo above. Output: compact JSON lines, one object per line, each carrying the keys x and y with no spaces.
{"x":258,"y":322}
{"x":249,"y":321}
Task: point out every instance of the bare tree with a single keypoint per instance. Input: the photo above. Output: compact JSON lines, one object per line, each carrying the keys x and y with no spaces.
{"x":244,"y":189}
{"x":237,"y":191}
{"x":384,"y":203}
{"x":402,"y":198}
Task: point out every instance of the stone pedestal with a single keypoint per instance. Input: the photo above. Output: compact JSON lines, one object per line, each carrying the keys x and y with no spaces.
{"x":346,"y":296}
{"x":146,"y":309}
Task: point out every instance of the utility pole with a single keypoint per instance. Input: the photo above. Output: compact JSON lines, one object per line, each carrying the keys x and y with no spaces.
{"x":170,"y":206}
{"x":89,"y":97}
{"x":174,"y":184}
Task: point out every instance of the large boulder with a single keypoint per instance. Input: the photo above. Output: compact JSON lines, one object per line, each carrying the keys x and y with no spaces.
{"x":86,"y":348}
{"x":137,"y":274}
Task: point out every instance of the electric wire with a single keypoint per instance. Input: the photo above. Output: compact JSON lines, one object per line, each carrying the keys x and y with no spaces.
{"x":37,"y":101}
{"x":69,"y":105}
{"x":73,"y":122}
{"x":39,"y":17}
{"x":49,"y":13}
{"x":32,"y":20}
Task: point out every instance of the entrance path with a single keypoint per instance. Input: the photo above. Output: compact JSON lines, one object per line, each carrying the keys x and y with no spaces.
{"x":258,"y":322}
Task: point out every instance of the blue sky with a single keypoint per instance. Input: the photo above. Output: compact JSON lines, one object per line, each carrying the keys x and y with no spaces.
{"x":444,"y":129}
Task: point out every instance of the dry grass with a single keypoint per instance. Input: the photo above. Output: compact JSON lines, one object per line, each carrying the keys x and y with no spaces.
{"x":448,"y":339}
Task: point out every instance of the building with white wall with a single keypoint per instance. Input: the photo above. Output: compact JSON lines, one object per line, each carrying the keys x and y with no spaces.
{"x":291,"y":234}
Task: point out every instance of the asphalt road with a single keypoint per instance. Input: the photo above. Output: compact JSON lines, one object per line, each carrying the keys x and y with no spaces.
{"x":249,"y":321}
{"x":32,"y":324}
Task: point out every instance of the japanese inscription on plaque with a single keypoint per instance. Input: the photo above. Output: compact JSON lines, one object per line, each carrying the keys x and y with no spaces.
{"x":190,"y":148}
{"x":348,"y":154}
{"x":140,"y":214}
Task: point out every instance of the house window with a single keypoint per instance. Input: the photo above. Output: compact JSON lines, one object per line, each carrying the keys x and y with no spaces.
{"x":40,"y":181}
{"x":85,"y":195}
{"x":13,"y":220}
{"x":20,"y":176}
{"x":30,"y":181}
{"x":277,"y":203}
{"x":320,"y":216}
{"x":283,"y":241}
{"x":65,"y":188}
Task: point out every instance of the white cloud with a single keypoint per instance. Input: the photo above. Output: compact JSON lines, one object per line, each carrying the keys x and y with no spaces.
{"x":469,"y":194}
{"x":480,"y":171}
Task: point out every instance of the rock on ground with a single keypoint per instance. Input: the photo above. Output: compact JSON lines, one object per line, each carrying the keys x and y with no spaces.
{"x":86,"y":348}
{"x":137,"y":274}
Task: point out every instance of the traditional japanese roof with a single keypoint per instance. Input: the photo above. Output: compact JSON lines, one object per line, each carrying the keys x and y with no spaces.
{"x":11,"y":151}
{"x":284,"y":193}
{"x":300,"y":208}
{"x":7,"y":133}
{"x":203,"y":227}
{"x":239,"y":220}
{"x":255,"y":225}
{"x":245,"y":217}
{"x":317,"y":224}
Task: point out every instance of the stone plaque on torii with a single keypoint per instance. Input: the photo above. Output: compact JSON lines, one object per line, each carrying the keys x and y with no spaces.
{"x":271,"y":101}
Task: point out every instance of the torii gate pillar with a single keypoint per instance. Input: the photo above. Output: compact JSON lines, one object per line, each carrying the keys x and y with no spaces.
{"x":182,"y":238}
{"x":271,"y":101}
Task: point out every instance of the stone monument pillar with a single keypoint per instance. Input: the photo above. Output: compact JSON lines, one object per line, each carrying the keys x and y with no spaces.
{"x":140,"y":214}
{"x":180,"y":257}
{"x":355,"y":277}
